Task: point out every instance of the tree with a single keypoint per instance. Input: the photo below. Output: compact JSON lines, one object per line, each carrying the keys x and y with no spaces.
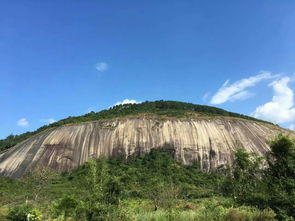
{"x":280,"y":176}
{"x":281,"y":158}
{"x":99,"y":191}
{"x":245,"y":176}
{"x":36,"y":180}
{"x":266,"y":185}
{"x":163,"y":194}
{"x":112,"y":191}
{"x":66,"y":207}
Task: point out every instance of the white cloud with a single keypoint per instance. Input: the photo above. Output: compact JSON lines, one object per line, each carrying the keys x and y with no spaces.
{"x":48,"y":121}
{"x":23,"y":122}
{"x":292,"y":126}
{"x":236,"y":90}
{"x":90,"y":109}
{"x":101,"y":66}
{"x":281,"y":108}
{"x":126,"y":101}
{"x":241,"y":96}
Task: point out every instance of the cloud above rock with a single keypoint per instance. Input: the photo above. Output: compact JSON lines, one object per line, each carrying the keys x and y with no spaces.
{"x":48,"y":121}
{"x":101,"y":66}
{"x":23,"y":122}
{"x":126,"y":101}
{"x":237,"y":90}
{"x":281,"y":107}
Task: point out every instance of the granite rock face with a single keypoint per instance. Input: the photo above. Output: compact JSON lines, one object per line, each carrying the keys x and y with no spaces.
{"x":211,"y":142}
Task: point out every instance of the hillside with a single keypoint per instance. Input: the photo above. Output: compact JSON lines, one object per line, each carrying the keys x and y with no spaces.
{"x":203,"y":137}
{"x":128,"y":163}
{"x":162,"y":108}
{"x":157,"y":187}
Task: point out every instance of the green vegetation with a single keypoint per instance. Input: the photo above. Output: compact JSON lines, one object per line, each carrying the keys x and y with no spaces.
{"x":23,"y":212}
{"x":265,"y":182}
{"x":162,"y":108}
{"x":156,"y":187}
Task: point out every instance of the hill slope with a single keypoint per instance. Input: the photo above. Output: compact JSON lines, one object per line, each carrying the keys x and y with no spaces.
{"x":209,"y":140}
{"x":161,"y":108}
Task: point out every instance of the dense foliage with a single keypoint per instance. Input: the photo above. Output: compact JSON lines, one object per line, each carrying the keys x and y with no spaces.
{"x":156,"y":187}
{"x":265,"y":183}
{"x":163,"y":108}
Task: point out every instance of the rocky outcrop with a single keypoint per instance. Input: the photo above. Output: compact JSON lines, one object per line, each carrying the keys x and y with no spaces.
{"x":210,"y":141}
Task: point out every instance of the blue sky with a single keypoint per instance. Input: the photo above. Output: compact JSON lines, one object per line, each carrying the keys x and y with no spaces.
{"x":63,"y":58}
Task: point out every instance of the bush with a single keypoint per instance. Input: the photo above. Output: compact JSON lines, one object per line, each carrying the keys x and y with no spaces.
{"x":164,"y":195}
{"x":249,"y":214}
{"x":22,"y":212}
{"x":265,"y":184}
{"x":66,"y":206}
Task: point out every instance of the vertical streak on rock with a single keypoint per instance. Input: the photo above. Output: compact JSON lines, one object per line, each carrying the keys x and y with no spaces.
{"x":211,"y":142}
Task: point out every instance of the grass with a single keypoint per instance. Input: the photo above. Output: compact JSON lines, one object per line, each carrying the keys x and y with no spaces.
{"x":206,"y":209}
{"x":209,"y":209}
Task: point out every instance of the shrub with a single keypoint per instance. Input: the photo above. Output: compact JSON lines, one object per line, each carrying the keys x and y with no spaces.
{"x":22,"y":212}
{"x":164,"y":195}
{"x":66,"y":206}
{"x":249,"y":214}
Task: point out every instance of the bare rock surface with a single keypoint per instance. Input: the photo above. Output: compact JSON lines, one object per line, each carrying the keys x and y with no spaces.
{"x":211,"y":142}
